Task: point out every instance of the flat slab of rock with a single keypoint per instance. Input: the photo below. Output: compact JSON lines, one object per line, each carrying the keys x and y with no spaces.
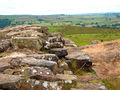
{"x":33,"y":43}
{"x":32,"y":62}
{"x":60,"y":52}
{"x":66,"y":77}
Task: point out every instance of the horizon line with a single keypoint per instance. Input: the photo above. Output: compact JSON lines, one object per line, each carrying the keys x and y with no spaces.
{"x":60,"y":14}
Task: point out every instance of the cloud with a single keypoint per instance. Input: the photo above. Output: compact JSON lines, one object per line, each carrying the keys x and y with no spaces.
{"x":57,"y":6}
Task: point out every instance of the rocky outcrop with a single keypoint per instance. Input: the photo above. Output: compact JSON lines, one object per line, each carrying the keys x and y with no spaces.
{"x":38,"y":59}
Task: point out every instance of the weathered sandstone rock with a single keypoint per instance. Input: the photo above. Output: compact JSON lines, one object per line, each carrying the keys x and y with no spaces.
{"x":9,"y":82}
{"x":33,"y":43}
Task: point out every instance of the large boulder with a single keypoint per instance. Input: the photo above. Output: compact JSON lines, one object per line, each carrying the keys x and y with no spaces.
{"x":81,"y":59}
{"x":33,"y":43}
{"x":60,"y":52}
{"x":9,"y":82}
{"x":4,"y":45}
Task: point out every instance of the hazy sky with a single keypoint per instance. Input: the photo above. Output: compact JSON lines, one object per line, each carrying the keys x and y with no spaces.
{"x":40,"y":7}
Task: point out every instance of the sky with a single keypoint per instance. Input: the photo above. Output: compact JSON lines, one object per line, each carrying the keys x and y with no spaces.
{"x":47,"y":7}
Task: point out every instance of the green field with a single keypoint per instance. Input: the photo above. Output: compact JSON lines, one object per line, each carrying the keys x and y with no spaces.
{"x":102,"y":20}
{"x":84,"y":35}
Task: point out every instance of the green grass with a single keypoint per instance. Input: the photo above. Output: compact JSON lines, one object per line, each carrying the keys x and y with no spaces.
{"x":112,"y":84}
{"x":4,"y":54}
{"x":84,"y":35}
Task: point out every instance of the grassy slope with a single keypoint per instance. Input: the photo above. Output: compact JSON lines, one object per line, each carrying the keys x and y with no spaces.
{"x":84,"y":35}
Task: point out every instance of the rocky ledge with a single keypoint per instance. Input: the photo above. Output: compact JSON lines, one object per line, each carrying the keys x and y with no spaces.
{"x":33,"y":59}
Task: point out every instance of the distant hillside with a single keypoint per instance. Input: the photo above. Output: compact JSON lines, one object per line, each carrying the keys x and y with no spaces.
{"x":99,"y":20}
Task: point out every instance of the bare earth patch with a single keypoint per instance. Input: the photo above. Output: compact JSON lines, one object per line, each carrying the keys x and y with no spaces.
{"x":106,"y":58}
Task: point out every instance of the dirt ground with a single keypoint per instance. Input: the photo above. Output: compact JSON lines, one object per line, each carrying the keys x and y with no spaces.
{"x":106,"y":58}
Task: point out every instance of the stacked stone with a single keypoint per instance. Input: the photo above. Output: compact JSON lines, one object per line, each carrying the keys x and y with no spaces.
{"x":37,"y":66}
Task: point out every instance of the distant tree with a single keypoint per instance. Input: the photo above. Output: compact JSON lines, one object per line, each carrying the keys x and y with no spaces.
{"x":4,"y":23}
{"x":40,"y":19}
{"x":77,"y":24}
{"x":83,"y":25}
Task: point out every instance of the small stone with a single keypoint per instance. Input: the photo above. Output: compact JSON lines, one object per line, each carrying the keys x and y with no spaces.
{"x":45,"y":84}
{"x":37,"y":82}
{"x":47,"y":73}
{"x":102,"y":87}
{"x":34,"y":71}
